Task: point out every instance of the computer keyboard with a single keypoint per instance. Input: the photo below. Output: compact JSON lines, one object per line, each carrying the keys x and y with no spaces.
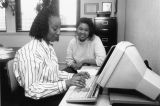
{"x":83,"y":92}
{"x":87,"y":94}
{"x":89,"y":82}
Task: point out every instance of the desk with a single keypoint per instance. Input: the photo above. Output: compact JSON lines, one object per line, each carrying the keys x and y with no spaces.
{"x":114,"y":99}
{"x":130,"y":97}
{"x":4,"y":89}
{"x":120,"y":97}
{"x":102,"y":100}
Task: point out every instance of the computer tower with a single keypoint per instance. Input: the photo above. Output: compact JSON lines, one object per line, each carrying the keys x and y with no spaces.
{"x":106,"y":29}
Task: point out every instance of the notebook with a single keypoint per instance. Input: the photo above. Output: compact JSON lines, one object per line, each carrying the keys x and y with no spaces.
{"x":91,"y":91}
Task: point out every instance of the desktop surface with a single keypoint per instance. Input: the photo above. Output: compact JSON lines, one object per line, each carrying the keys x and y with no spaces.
{"x":102,"y":100}
{"x":92,"y":70}
{"x":130,"y":97}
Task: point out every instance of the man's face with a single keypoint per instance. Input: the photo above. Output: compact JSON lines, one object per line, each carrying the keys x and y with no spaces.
{"x":54,"y":29}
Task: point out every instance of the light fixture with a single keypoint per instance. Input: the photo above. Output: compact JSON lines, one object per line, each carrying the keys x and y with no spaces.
{"x":8,"y":3}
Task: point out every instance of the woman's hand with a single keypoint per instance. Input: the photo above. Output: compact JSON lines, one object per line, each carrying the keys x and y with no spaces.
{"x":83,"y":74}
{"x":78,"y":80}
{"x":76,"y":66}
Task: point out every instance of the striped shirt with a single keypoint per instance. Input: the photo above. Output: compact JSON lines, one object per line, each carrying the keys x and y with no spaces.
{"x":37,"y":71}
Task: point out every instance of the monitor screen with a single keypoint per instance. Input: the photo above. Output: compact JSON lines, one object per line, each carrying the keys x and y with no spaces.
{"x":106,"y":59}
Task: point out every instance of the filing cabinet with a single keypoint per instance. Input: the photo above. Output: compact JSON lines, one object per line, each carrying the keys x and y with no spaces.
{"x":106,"y":29}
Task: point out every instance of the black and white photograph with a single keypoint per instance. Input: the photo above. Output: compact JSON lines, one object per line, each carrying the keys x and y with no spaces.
{"x":79,"y":52}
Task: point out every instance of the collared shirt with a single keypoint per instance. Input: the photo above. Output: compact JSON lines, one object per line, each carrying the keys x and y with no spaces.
{"x":37,"y":71}
{"x":89,"y":49}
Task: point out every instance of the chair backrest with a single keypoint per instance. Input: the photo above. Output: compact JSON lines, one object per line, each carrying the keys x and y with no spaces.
{"x":11,"y":76}
{"x":1,"y":45}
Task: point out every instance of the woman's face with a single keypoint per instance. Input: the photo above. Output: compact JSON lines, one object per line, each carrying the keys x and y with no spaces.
{"x":82,"y":32}
{"x":54,"y":29}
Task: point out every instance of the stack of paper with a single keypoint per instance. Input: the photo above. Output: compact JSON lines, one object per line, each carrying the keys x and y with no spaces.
{"x":92,"y":70}
{"x":4,"y":52}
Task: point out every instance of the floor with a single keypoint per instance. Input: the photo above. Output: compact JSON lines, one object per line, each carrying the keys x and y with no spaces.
{"x":13,"y":99}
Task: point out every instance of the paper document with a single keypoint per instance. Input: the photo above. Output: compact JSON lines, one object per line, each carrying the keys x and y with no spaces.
{"x":4,"y":56}
{"x":5,"y":50}
{"x":92,"y":70}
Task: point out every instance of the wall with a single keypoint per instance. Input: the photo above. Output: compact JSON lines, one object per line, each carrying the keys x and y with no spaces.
{"x":121,"y":13}
{"x":20,"y":39}
{"x":143,"y":29}
{"x":83,"y":2}
{"x":13,"y":39}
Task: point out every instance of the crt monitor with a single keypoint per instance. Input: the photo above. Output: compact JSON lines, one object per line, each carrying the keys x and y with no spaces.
{"x":125,"y":69}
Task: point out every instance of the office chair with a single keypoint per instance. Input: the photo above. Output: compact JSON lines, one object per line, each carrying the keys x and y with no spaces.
{"x":16,"y":92}
{"x":13,"y":83}
{"x":1,"y":45}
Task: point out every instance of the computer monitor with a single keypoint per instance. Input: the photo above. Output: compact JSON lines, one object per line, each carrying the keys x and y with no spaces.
{"x":106,"y":59}
{"x":125,"y":69}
